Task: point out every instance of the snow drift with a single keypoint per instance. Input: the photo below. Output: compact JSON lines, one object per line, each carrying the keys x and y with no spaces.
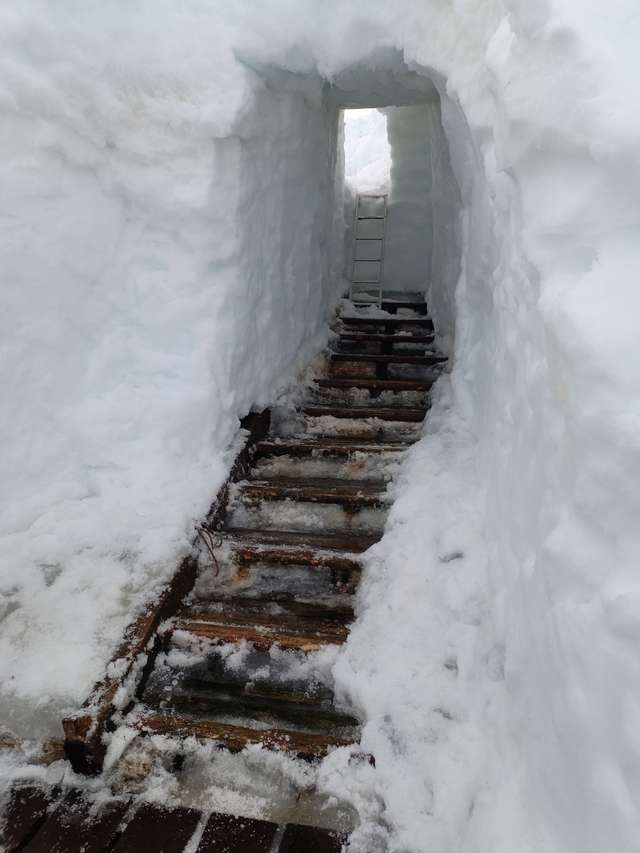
{"x":168,"y":228}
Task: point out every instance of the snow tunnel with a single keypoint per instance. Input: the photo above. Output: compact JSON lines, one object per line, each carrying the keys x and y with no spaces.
{"x":307,"y":191}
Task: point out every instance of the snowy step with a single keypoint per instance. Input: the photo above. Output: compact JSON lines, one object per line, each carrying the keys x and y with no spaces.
{"x":382,"y":338}
{"x":294,"y":626}
{"x":399,"y":414}
{"x":346,"y":460}
{"x":389,"y":322}
{"x":265,"y":703}
{"x":299,"y":543}
{"x":317,"y":490}
{"x":328,"y":446}
{"x":302,"y":514}
{"x":371,"y":384}
{"x":394,"y":358}
{"x":308,"y":745}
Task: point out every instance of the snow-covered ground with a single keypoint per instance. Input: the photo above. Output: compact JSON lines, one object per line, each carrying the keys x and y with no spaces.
{"x":169,"y":257}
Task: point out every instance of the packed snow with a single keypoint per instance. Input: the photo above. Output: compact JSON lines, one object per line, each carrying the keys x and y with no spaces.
{"x":172,"y":218}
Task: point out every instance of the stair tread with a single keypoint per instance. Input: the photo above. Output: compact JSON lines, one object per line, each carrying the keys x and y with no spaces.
{"x":296,"y":625}
{"x":392,"y":320}
{"x":399,"y":413}
{"x":330,"y":444}
{"x":381,"y":337}
{"x":235,"y":737}
{"x":211,"y":700}
{"x":347,"y":542}
{"x":393,"y":358}
{"x":375,"y":384}
{"x":265,"y":611}
{"x":317,"y":489}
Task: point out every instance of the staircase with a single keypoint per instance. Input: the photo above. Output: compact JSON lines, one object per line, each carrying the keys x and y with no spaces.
{"x":286,"y":552}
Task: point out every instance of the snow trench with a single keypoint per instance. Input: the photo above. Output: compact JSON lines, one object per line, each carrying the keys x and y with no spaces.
{"x":171,"y":252}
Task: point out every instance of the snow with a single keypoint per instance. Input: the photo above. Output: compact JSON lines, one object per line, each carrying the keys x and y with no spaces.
{"x":367,"y":164}
{"x":170,"y":255}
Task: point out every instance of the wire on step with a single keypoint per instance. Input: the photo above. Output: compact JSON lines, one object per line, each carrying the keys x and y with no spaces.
{"x":210,"y":542}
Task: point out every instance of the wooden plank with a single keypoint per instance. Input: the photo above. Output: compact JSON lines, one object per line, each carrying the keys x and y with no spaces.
{"x":228,"y":834}
{"x":247,"y":552}
{"x":74,"y":825}
{"x":392,"y":358}
{"x":157,"y":830}
{"x":388,"y":322}
{"x":310,"y":839}
{"x":383,"y":338}
{"x":400,"y":414}
{"x":371,"y":384}
{"x":211,"y":702}
{"x":354,"y":493}
{"x":325,"y":447}
{"x":24,"y":815}
{"x":350,"y":543}
{"x":263,"y":638}
{"x":235,"y":738}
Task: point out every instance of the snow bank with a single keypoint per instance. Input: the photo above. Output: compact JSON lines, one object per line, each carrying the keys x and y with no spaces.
{"x":151,"y":299}
{"x":409,"y":235}
{"x":135,"y":333}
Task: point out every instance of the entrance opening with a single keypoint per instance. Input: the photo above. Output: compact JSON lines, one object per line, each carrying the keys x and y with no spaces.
{"x":367,"y":155}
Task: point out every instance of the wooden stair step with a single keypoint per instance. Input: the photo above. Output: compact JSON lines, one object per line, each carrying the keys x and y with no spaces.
{"x":393,"y":358}
{"x":382,"y":338}
{"x":371,"y":384}
{"x":403,"y":413}
{"x":354,"y":493}
{"x":390,"y":321}
{"x":327,"y":446}
{"x":305,"y":540}
{"x":201,"y":699}
{"x":234,"y":738}
{"x":284,"y":606}
{"x":299,"y":628}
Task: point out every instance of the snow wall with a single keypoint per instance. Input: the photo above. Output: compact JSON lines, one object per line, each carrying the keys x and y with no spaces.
{"x":130,"y":305}
{"x":409,"y":234}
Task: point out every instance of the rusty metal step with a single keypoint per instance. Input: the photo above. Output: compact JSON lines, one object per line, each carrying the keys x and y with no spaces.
{"x":394,"y":358}
{"x":352,"y":493}
{"x":303,"y":540}
{"x":371,"y":384}
{"x":308,"y":745}
{"x":401,"y":413}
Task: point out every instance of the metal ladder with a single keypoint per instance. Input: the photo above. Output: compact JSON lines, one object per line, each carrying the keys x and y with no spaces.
{"x":368,"y":249}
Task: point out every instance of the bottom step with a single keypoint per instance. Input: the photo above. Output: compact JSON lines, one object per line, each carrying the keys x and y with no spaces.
{"x":42,"y":819}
